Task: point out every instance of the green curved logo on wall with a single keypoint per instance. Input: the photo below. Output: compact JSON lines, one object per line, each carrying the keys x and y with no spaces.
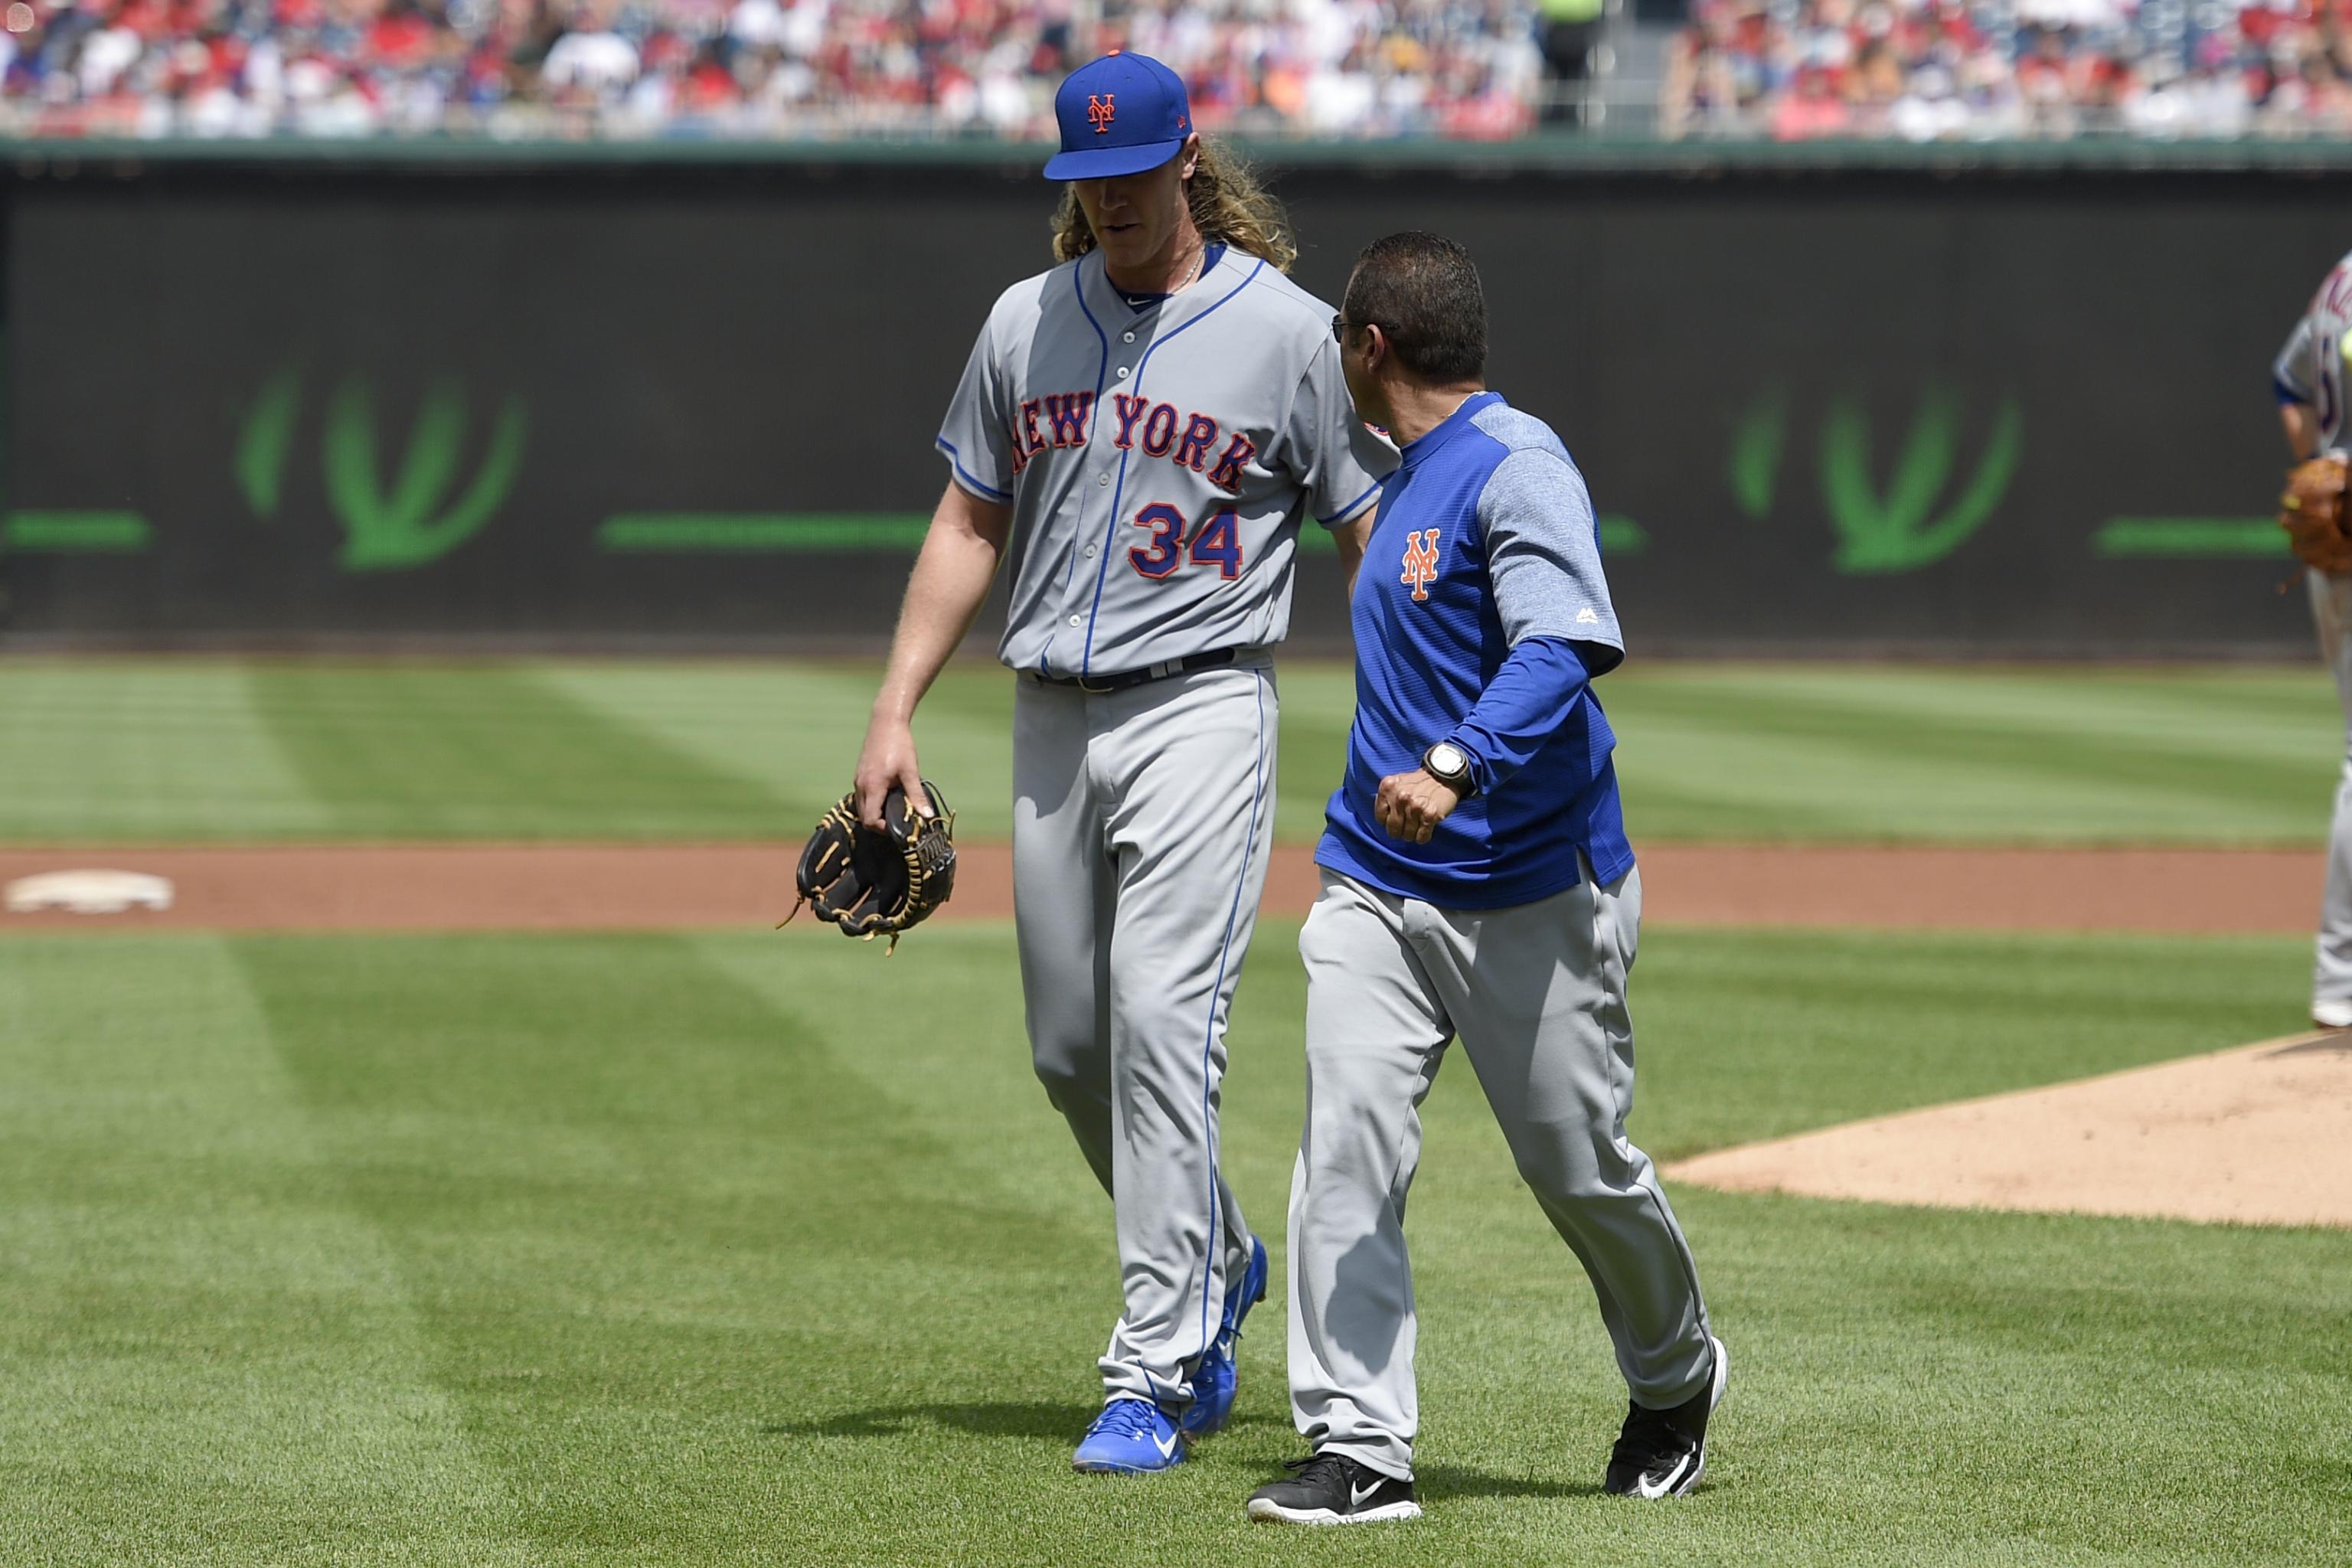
{"x":426,"y":511}
{"x":1755,"y":447}
{"x":1900,"y":527}
{"x":1893,"y":532}
{"x":268,"y":432}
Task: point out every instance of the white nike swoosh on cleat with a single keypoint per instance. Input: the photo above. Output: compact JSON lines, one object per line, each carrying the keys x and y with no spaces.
{"x":1665,"y":1488}
{"x":1356,"y":1495}
{"x":1167,"y":1450}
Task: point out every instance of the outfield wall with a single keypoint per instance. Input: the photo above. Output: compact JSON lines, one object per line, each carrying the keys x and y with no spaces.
{"x":2019,"y":409}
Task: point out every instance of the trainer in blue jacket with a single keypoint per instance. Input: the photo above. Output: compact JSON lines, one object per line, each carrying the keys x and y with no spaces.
{"x":1476,"y":881}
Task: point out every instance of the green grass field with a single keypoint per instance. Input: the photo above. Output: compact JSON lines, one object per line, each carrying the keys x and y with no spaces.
{"x":558,"y":1251}
{"x":658,"y":1250}
{"x":186,"y":751}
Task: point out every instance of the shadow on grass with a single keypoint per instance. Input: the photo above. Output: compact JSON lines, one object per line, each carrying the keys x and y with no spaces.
{"x":1437,"y":1482}
{"x":1036,"y":1420}
{"x":1062,"y":1422}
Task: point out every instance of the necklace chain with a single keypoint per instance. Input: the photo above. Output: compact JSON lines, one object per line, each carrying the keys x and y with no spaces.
{"x":1193,"y":275}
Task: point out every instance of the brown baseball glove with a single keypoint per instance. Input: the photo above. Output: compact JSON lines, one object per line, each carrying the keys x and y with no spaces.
{"x":2312,"y":513}
{"x":880,"y":884}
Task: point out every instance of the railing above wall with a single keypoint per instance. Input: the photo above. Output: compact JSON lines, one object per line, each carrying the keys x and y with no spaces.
{"x":1570,"y":154}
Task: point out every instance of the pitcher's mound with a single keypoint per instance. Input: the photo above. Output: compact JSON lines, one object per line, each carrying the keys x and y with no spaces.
{"x":2257,"y":1135}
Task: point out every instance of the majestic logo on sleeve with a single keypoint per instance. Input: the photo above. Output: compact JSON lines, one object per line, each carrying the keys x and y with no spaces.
{"x":1420,"y":561}
{"x":1099,"y":111}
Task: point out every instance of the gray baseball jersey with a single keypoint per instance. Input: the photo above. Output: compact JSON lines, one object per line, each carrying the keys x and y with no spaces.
{"x":1159,"y":454}
{"x":2310,"y":369}
{"x":1158,"y":458}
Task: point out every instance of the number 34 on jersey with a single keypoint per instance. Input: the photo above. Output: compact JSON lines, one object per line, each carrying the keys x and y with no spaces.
{"x":1217,"y":542}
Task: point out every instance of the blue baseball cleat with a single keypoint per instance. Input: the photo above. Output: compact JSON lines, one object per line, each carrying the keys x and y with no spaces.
{"x":1216,"y":1379}
{"x":1130,"y":1437}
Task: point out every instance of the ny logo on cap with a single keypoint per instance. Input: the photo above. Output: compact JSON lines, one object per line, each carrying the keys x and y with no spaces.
{"x":1099,"y":111}
{"x":1420,"y":561}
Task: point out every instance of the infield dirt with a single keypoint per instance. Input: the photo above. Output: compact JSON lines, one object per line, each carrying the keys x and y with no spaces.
{"x":2252,"y":1136}
{"x":665,"y":886}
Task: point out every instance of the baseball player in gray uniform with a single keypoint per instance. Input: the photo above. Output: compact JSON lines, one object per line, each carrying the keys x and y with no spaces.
{"x":1141,"y":432}
{"x":1476,"y":881}
{"x":2309,"y":378}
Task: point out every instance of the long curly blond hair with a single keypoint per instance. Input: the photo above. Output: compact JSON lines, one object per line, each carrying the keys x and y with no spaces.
{"x":1227,"y":203}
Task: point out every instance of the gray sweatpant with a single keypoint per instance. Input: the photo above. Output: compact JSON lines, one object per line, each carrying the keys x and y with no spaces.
{"x":2331,"y":611}
{"x":1536,"y":994}
{"x":1141,"y":821}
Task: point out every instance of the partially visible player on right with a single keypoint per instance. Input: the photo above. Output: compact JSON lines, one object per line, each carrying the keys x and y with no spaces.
{"x":2309,"y":376}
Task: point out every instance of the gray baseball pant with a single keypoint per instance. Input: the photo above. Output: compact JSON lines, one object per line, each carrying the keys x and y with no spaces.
{"x":1536,"y":994}
{"x":1141,"y":822}
{"x":2331,"y":611}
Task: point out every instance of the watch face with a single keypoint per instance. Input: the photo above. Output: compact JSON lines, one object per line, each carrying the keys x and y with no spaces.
{"x":1448,"y":760}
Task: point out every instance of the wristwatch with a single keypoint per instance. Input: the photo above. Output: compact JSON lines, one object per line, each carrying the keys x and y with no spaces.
{"x":1449,"y":764}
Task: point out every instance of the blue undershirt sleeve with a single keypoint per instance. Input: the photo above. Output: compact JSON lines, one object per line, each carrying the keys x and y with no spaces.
{"x":1523,"y":707}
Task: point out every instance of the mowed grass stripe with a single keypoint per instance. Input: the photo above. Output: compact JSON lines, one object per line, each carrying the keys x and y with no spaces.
{"x":487,"y":751}
{"x":894,"y":1371}
{"x":650,"y":1217}
{"x":1806,"y":759}
{"x":1752,"y":1035}
{"x":132,"y":752}
{"x":2273,"y":715}
{"x":796,"y":729}
{"x":711,"y":1272}
{"x":205,"y":1355}
{"x":1935,"y":1387}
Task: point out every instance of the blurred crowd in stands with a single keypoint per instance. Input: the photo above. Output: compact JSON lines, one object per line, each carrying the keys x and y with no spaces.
{"x":1935,"y":69}
{"x":760,"y":68}
{"x":1787,"y":69}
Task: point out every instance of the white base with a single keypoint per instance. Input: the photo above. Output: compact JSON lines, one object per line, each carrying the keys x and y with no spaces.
{"x":89,"y":892}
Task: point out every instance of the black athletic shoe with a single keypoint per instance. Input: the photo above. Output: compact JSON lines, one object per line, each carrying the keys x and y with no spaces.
{"x":1662,"y":1453}
{"x":1332,"y":1489}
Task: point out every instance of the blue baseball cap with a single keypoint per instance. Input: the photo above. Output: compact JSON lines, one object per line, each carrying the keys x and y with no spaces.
{"x":1119,"y":115}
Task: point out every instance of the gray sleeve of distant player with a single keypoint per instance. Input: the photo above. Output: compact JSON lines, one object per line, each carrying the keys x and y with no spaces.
{"x":976,"y":437}
{"x":2291,"y":372}
{"x":1338,"y":461}
{"x":1543,"y":555}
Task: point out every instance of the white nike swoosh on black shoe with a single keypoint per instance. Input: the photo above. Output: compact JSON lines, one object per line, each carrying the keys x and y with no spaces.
{"x":1670,"y":1482}
{"x":1332,"y":1489}
{"x":1662,"y":1453}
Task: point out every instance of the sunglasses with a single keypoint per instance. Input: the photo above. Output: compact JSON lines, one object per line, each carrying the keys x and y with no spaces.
{"x":1339,"y":325}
